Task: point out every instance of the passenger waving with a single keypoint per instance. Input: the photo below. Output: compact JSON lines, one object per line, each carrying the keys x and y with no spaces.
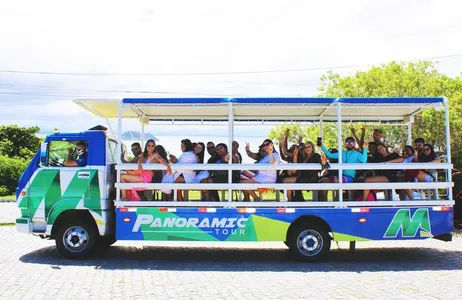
{"x":349,"y":156}
{"x":263,"y":176}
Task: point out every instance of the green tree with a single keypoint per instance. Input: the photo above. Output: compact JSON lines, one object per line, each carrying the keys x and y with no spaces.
{"x":17,"y":147}
{"x":16,"y":141}
{"x":420,"y":79}
{"x":10,"y":171}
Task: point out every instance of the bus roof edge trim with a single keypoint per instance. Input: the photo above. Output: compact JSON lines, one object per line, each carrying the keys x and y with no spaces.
{"x":284,"y":100}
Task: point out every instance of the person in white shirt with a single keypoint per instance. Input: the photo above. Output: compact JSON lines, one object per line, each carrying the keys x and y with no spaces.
{"x":263,"y":176}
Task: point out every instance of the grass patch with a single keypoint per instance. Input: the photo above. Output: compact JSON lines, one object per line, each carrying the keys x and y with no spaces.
{"x":8,"y":197}
{"x":7,"y":224}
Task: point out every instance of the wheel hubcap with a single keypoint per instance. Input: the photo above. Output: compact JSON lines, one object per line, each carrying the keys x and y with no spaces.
{"x":75,"y":239}
{"x":309,"y":242}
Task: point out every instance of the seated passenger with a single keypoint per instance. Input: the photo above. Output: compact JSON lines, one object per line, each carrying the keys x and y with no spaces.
{"x":235,"y":151}
{"x":305,"y":176}
{"x":383,"y":175}
{"x":408,"y":157}
{"x":221,"y":176}
{"x":349,"y":156}
{"x":286,"y":153}
{"x":419,"y":144}
{"x":427,"y":155}
{"x":263,"y":176}
{"x":80,"y":153}
{"x":136,"y":151}
{"x":211,"y":151}
{"x":140,"y":175}
{"x":187,"y":176}
{"x":199,"y":150}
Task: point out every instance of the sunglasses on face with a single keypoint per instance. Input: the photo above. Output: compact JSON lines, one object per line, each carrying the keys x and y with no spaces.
{"x":349,"y":143}
{"x":219,"y":148}
{"x":426,"y":149}
{"x":266,"y":144}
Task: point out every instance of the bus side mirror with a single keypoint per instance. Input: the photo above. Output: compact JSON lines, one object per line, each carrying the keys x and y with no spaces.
{"x":43,"y":153}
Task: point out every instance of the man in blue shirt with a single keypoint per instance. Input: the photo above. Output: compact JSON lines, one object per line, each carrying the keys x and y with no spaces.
{"x":349,"y":156}
{"x":81,"y":158}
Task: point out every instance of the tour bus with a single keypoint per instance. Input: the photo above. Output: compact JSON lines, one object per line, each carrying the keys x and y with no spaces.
{"x":80,"y":206}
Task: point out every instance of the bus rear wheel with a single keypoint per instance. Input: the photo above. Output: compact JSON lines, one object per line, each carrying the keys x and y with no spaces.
{"x":309,"y":241}
{"x":76,"y":239}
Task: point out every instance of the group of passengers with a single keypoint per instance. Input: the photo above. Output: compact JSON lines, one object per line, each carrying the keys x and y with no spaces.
{"x":362,"y":152}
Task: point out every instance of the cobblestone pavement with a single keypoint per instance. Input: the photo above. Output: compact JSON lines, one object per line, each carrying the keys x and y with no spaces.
{"x":31,"y":268}
{"x":8,"y":212}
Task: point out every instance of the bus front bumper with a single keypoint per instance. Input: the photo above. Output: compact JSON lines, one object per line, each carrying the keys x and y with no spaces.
{"x":23,"y":225}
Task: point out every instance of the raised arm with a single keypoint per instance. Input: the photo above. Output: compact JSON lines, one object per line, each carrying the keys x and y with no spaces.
{"x":294,"y":160}
{"x":157,"y":157}
{"x":329,"y":154}
{"x":140,"y":161}
{"x":363,"y":132}
{"x":353,"y":133}
{"x":283,"y":145}
{"x":283,"y":156}
{"x":271,"y":154}
{"x":250,"y":154}
{"x":363,"y":157}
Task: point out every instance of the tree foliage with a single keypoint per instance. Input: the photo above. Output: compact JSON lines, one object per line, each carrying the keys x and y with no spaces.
{"x":419,"y":79}
{"x":17,"y":147}
{"x":10,"y":172}
{"x":16,"y":141}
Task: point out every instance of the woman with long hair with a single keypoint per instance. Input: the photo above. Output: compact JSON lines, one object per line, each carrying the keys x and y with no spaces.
{"x":305,"y":176}
{"x":140,"y":175}
{"x":199,"y":150}
{"x":264,"y":176}
{"x":187,"y":176}
{"x":384,"y":175}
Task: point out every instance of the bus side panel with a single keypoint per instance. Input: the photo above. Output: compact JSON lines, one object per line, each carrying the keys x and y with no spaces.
{"x":272,"y":224}
{"x":357,"y":224}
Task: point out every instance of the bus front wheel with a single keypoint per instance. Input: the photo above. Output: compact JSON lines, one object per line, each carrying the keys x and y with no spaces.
{"x":309,"y":241}
{"x":76,"y":238}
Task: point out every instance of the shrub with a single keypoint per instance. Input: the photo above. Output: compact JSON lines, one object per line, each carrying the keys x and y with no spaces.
{"x":10,"y":171}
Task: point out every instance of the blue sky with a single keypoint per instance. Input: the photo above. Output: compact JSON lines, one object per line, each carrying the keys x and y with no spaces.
{"x":185,"y":39}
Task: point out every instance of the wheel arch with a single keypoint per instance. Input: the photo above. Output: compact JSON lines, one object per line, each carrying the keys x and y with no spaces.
{"x":79,"y":214}
{"x":308,"y":219}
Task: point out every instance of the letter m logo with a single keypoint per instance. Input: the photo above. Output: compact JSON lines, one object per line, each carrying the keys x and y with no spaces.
{"x":409,"y":225}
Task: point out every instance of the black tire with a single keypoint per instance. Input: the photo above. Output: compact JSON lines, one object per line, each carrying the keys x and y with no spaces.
{"x":309,"y":241}
{"x":76,"y":238}
{"x":107,"y":241}
{"x":286,"y":243}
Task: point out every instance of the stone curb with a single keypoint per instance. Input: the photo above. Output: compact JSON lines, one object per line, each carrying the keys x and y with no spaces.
{"x":7,"y":200}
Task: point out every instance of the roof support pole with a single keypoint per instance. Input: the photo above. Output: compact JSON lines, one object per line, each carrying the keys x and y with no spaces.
{"x":340,"y":144}
{"x":409,"y":133}
{"x":119,"y":148}
{"x":448,"y":145}
{"x":320,"y":127}
{"x":142,"y":134}
{"x":230,"y":147}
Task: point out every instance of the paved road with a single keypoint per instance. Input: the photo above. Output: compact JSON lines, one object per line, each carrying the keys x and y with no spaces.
{"x":31,"y":268}
{"x":8,"y":212}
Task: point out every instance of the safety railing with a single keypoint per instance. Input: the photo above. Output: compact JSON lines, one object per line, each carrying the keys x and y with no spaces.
{"x":340,"y":187}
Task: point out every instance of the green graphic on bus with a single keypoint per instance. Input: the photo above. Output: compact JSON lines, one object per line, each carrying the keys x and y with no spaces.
{"x":409,"y":225}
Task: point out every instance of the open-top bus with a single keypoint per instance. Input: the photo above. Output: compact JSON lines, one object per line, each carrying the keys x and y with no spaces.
{"x":81,"y":207}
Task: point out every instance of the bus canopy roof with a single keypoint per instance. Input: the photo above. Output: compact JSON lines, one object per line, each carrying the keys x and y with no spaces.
{"x":263,"y":109}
